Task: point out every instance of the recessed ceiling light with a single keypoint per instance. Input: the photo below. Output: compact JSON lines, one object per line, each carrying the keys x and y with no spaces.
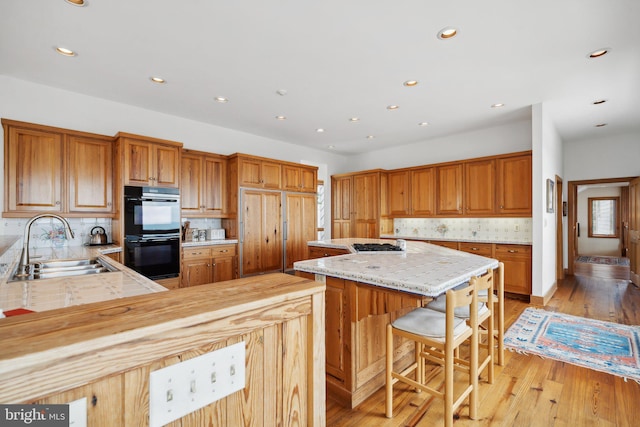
{"x":599,"y":101}
{"x":77,"y":2}
{"x":354,"y":119}
{"x":423,"y":124}
{"x":64,"y":51}
{"x":157,"y":80}
{"x":370,"y":136}
{"x":392,"y":107}
{"x":600,"y":52}
{"x":319,"y":130}
{"x":221,"y":99}
{"x":599,"y":125}
{"x":410,"y":83}
{"x":498,"y":105}
{"x":281,"y":92}
{"x":281,"y":118}
{"x":447,"y":33}
{"x":331,"y":147}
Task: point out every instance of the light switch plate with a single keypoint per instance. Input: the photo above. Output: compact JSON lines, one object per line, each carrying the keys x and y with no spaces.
{"x":78,"y":413}
{"x":180,"y":389}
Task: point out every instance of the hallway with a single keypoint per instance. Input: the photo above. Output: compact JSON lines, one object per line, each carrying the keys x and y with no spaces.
{"x":528,"y":390}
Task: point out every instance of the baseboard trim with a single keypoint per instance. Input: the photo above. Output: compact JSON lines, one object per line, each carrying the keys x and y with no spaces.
{"x":543,"y":300}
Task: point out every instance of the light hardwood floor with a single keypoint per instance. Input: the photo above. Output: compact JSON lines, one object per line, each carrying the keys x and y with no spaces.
{"x":529,"y":390}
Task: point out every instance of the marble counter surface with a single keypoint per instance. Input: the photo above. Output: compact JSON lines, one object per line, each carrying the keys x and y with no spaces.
{"x":49,"y":294}
{"x":187,"y":244}
{"x":424,"y":269}
{"x":470,"y":239}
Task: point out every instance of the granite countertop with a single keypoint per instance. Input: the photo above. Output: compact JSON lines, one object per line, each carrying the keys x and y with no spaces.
{"x":423,"y":269}
{"x":187,"y":244}
{"x":470,"y":239}
{"x":48,"y":294}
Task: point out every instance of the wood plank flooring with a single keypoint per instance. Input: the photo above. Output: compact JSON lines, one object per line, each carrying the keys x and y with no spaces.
{"x":529,"y":390}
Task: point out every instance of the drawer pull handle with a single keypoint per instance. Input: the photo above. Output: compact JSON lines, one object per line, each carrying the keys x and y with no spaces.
{"x":475,"y":249}
{"x":225,"y":250}
{"x":512,"y":251}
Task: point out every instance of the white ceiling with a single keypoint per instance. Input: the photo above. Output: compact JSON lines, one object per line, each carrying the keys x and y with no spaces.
{"x":339,"y":59}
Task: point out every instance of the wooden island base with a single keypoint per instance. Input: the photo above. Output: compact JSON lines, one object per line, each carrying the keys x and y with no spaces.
{"x":104,"y":352}
{"x":356,"y":318}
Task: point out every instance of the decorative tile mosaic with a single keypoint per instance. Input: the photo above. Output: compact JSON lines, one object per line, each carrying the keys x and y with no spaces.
{"x":48,"y":232}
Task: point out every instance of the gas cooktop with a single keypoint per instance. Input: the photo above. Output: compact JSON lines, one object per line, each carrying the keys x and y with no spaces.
{"x":376,"y":247}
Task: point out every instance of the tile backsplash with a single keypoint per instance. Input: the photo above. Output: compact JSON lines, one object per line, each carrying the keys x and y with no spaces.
{"x":48,"y":232}
{"x":515,"y":230}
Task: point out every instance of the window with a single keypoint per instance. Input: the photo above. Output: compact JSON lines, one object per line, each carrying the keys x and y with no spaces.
{"x":604,"y":218}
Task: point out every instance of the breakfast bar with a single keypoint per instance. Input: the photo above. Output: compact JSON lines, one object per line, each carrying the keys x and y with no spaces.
{"x":367,"y":290}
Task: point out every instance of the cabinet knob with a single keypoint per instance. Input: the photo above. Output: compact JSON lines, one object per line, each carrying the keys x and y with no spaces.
{"x":57,"y":202}
{"x":501,"y":206}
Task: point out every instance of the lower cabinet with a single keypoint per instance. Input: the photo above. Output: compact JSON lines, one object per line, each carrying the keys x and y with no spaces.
{"x":517,"y":267}
{"x":208,"y":264}
{"x":321,"y":252}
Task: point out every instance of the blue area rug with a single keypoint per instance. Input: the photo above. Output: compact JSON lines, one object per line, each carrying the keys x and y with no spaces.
{"x":602,"y":346}
{"x":606,"y":260}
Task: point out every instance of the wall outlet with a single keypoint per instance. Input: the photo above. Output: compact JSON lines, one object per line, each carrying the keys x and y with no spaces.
{"x":516,"y":227}
{"x":180,"y":389}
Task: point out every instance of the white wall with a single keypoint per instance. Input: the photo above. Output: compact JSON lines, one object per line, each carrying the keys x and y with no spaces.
{"x":508,"y":138}
{"x":29,"y":102}
{"x":593,"y":245}
{"x":547,"y":163}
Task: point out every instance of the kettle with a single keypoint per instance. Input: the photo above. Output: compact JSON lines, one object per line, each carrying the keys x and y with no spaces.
{"x":99,"y":237}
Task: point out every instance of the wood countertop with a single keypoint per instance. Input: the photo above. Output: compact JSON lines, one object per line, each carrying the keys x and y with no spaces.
{"x":422,"y":269}
{"x":62,"y":348}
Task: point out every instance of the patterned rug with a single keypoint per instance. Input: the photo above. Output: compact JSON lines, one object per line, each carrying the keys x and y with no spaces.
{"x":602,"y":346}
{"x":608,"y":260}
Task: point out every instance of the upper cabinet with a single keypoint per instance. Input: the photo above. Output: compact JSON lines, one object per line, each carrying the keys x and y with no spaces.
{"x":56,"y":170}
{"x":449,"y":189}
{"x":203,"y":180}
{"x":479,"y":187}
{"x":299,"y":178}
{"x":412,"y":192}
{"x":356,"y":210}
{"x":149,"y":162}
{"x":513,"y":189}
{"x":259,"y":173}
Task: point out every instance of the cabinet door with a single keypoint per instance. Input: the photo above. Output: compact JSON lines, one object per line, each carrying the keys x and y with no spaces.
{"x":261,"y":232}
{"x":291,"y":178}
{"x":138,"y":163}
{"x":301,"y":226}
{"x":449,"y":190}
{"x":224,"y":269}
{"x":271,"y":175}
{"x":366,"y":205}
{"x":341,"y":207}
{"x":399,"y":193}
{"x":309,"y":180}
{"x":423,"y":192}
{"x":479,"y":187}
{"x":191,"y":185}
{"x":338,"y":330}
{"x":250,"y":175}
{"x":215,"y":181}
{"x":196,"y":272}
{"x":90,"y":175}
{"x":514,"y":185}
{"x":517,"y":267}
{"x":166,"y":166}
{"x":34,"y":170}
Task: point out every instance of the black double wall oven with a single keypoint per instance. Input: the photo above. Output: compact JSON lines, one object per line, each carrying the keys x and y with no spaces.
{"x":152,"y":231}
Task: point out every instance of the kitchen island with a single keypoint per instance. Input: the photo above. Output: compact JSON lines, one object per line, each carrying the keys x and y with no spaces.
{"x":366,"y":291}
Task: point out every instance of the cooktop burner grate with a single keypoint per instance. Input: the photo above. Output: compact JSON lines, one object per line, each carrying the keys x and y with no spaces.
{"x":376,"y":247}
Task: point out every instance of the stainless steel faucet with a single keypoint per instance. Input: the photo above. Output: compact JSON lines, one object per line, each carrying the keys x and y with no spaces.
{"x":23,"y":267}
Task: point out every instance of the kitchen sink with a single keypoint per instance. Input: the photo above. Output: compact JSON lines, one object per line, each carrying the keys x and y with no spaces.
{"x":63,"y":268}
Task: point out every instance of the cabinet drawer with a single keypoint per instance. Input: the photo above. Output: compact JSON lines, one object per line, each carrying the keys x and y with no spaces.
{"x":445,"y":243}
{"x":320,"y":252}
{"x":513,"y":250}
{"x":196,"y":252}
{"x":223,"y":250}
{"x":484,"y":249}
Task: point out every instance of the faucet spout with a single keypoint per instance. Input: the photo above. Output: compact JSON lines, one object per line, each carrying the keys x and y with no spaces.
{"x":23,"y":267}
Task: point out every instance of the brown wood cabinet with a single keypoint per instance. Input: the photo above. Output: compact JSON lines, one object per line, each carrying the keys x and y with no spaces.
{"x":399,"y":193}
{"x":479,"y":188}
{"x":261,"y":231}
{"x":517,"y":267}
{"x":445,"y":244}
{"x":300,"y":178}
{"x":56,"y":170}
{"x":482,"y":249}
{"x":203,"y":185}
{"x":411,"y":192}
{"x":260,"y":173}
{"x":208,"y":264}
{"x":149,"y":162}
{"x":449,"y":189}
{"x":301,"y":220}
{"x":513,"y":187}
{"x":321,"y":252}
{"x":356,"y":206}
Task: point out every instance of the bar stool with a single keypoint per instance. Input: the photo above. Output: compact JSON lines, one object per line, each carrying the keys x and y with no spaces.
{"x":486,"y":315}
{"x":437,"y":335}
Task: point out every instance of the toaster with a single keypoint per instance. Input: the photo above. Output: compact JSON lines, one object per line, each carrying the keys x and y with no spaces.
{"x":215,"y":234}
